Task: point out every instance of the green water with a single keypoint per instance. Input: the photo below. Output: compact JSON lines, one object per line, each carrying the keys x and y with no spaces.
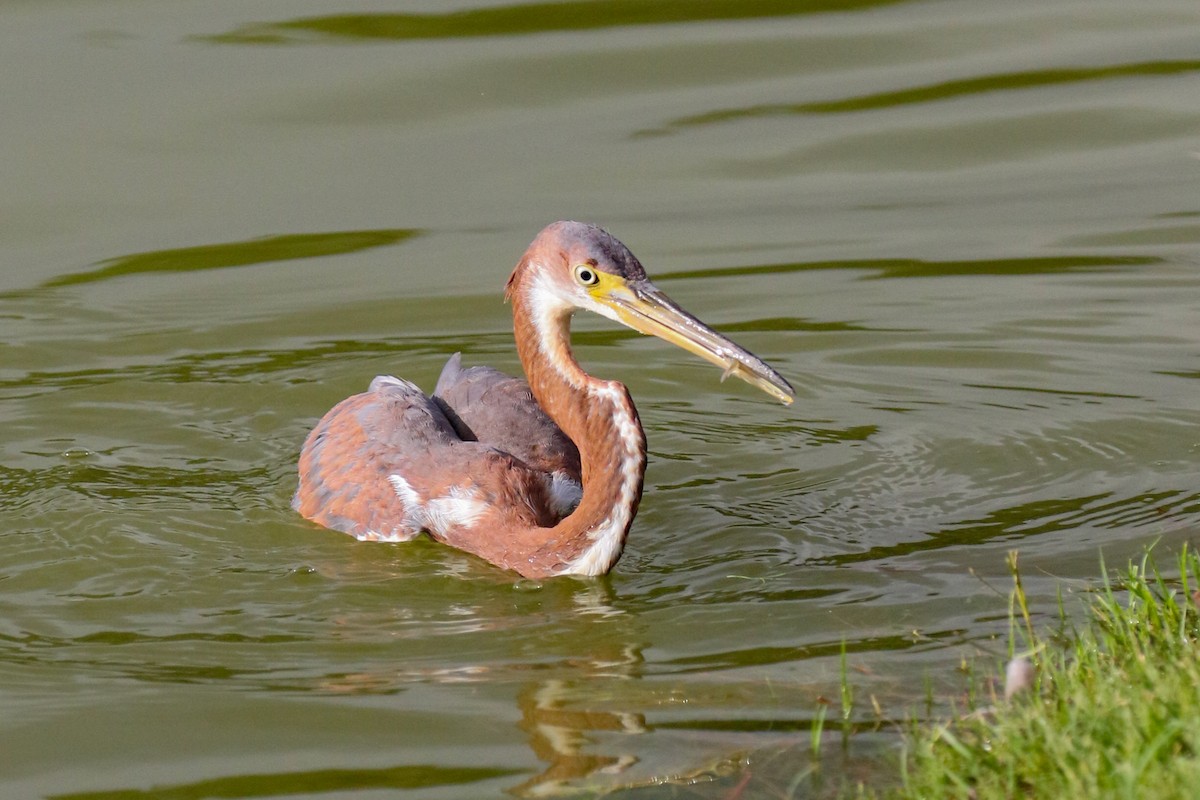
{"x":968,"y":232}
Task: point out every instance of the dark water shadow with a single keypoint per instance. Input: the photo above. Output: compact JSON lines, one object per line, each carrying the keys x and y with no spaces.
{"x":921,"y":268}
{"x":800,"y":324}
{"x":525,"y":19}
{"x":288,"y":247}
{"x":126,"y":483}
{"x":1039,"y":518}
{"x":769,"y":656}
{"x":310,"y":782}
{"x":1157,"y":236}
{"x":253,"y":365}
{"x":931,"y":93}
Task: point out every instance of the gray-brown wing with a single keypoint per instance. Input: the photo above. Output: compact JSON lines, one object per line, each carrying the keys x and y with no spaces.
{"x":488,"y":406}
{"x":387,"y":464}
{"x":348,"y":458}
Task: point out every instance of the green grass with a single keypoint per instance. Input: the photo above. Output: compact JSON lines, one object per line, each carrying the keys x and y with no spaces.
{"x":1114,"y":711}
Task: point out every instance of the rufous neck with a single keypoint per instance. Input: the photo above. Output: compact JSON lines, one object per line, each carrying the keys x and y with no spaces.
{"x":600,"y":418}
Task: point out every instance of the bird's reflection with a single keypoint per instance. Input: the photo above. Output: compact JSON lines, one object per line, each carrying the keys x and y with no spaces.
{"x":577,"y":681}
{"x":560,"y":736}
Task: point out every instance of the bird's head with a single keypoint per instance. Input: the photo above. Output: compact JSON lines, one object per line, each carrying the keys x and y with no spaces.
{"x":573,"y":265}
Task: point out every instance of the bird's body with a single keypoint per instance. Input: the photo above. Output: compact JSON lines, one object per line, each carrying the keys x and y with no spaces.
{"x":541,"y":477}
{"x":486,"y":405}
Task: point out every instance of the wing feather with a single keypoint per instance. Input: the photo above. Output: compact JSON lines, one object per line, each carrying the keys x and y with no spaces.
{"x":489,"y":406}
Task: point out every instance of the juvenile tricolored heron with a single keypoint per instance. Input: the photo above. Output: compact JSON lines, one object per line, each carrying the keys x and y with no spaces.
{"x":543,"y":478}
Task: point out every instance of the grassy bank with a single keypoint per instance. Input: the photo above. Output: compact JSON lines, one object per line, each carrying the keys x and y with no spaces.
{"x":1113,"y":709}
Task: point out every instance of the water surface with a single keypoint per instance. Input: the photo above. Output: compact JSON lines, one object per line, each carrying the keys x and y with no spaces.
{"x":968,"y":232}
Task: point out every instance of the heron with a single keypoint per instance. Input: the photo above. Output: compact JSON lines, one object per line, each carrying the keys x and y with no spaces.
{"x":541,"y":476}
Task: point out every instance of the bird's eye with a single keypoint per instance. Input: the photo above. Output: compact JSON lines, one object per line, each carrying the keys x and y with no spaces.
{"x":586,"y":276}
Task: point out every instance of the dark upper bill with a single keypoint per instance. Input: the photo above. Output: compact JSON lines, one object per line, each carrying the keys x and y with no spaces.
{"x":644,"y":308}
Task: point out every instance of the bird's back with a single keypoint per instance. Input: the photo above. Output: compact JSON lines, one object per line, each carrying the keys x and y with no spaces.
{"x":392,"y":462}
{"x":488,"y":406}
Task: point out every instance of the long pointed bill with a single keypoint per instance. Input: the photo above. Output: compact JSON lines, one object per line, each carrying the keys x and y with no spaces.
{"x":641,"y":306}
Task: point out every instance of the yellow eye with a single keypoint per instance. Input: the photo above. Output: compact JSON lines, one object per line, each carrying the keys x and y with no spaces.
{"x":586,"y":275}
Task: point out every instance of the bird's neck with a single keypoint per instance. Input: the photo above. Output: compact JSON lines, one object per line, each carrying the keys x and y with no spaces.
{"x":600,"y":418}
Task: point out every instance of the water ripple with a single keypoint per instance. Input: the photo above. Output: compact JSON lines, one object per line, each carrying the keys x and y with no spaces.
{"x":936,"y":92}
{"x":526,"y":19}
{"x":405,"y":777}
